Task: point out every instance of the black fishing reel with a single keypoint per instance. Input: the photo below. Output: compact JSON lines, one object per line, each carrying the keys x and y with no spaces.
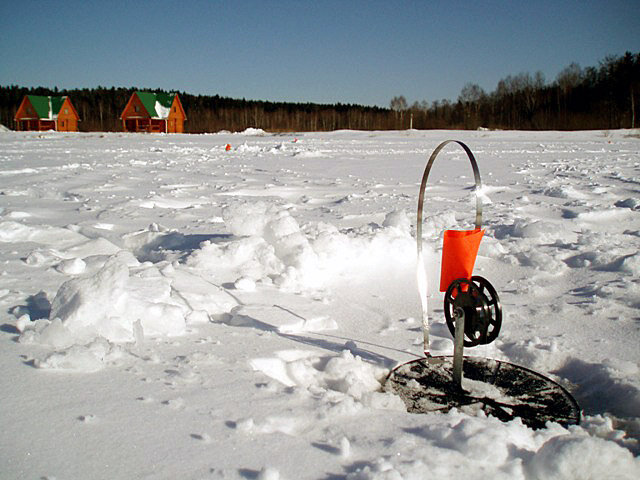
{"x":478,"y":301}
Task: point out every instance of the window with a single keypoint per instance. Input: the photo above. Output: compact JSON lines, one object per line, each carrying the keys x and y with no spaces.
{"x":137,"y":108}
{"x":175,"y":109}
{"x":66,"y":111}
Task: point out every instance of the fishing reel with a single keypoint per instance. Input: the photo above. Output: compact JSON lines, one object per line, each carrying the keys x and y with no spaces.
{"x":478,"y":302}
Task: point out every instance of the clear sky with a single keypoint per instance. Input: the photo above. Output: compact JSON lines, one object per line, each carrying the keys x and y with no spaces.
{"x":321,"y":51}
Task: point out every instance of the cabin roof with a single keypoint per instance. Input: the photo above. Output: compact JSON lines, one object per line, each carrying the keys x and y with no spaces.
{"x":157,"y":105}
{"x":46,"y":107}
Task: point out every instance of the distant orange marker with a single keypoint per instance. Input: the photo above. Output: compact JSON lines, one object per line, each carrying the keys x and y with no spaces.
{"x":228,"y":147}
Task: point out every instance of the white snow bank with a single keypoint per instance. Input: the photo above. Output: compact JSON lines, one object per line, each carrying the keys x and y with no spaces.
{"x":274,"y":248}
{"x":252,"y":131}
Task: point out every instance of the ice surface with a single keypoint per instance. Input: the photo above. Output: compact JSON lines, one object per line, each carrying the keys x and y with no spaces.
{"x":174,"y":310}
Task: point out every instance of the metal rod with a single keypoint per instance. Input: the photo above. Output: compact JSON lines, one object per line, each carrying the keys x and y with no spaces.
{"x":458,"y":348}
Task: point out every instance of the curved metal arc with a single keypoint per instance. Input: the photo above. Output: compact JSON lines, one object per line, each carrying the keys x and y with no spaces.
{"x":423,"y":186}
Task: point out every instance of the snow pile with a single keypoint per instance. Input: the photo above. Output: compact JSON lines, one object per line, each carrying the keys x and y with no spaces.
{"x":273,"y":248}
{"x":111,"y":304}
{"x":344,"y":380}
{"x":121,"y":300}
{"x":252,"y":132}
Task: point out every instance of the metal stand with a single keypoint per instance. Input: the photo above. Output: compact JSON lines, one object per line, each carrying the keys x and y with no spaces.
{"x":474,"y":316}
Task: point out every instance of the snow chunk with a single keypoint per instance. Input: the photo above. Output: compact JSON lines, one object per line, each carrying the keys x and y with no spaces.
{"x":108,"y":303}
{"x":82,"y":358}
{"x":245,"y":284}
{"x":74,"y":266}
{"x":247,"y":218}
{"x":397,"y":219}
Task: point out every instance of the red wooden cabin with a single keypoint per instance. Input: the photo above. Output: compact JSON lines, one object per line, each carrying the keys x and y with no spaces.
{"x":38,"y":112}
{"x":153,"y":112}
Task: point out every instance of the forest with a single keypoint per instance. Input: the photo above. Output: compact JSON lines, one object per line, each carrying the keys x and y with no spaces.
{"x":595,"y":97}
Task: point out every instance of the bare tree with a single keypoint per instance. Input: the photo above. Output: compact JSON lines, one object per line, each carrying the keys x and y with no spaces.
{"x":398,"y":104}
{"x":471,"y":97}
{"x":569,"y":77}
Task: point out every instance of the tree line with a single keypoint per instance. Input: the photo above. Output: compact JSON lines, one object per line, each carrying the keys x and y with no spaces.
{"x":602,"y":97}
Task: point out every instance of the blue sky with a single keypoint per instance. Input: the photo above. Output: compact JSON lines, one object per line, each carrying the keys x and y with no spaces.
{"x":322,"y":51}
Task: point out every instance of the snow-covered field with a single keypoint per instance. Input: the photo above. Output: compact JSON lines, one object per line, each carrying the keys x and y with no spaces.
{"x":172,"y":310}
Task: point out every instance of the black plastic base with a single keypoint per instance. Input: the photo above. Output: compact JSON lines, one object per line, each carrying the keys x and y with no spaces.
{"x":500,"y":389}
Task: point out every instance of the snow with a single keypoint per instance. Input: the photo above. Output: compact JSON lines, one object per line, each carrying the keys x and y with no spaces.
{"x":173,"y":310}
{"x":252,"y":131}
{"x":161,"y":110}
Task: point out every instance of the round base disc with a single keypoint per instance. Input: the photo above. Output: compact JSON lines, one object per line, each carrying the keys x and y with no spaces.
{"x":500,"y":389}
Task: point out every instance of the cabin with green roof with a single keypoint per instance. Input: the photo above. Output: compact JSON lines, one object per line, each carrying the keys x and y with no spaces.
{"x":40,"y":112}
{"x":153,"y":113}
